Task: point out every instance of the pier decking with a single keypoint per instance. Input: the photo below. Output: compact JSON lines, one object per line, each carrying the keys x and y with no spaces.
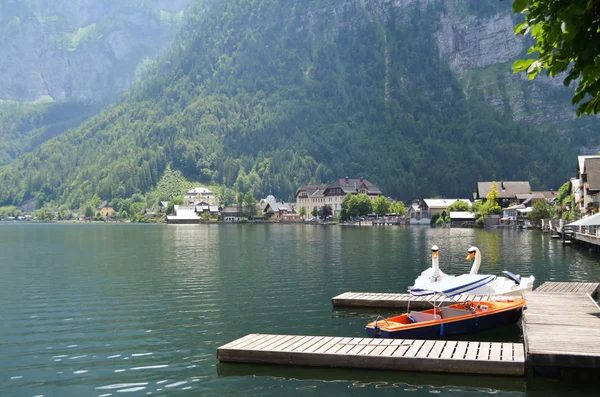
{"x":387,"y":300}
{"x":561,"y":330}
{"x":560,"y":288}
{"x":384,"y":354}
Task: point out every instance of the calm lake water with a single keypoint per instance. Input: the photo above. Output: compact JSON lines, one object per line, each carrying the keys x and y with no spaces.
{"x":101,"y":310}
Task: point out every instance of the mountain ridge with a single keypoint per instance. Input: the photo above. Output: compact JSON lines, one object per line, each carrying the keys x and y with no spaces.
{"x":247,"y":99}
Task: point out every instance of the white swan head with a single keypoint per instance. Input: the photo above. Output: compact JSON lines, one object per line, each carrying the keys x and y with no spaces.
{"x":435,"y":264}
{"x":474,"y":253}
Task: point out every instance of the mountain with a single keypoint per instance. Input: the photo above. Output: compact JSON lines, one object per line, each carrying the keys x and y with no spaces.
{"x":266,"y":95}
{"x":80,"y":50}
{"x":64,"y":60}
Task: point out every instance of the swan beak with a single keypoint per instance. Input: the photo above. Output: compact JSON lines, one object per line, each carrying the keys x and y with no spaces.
{"x":470,"y":256}
{"x":434,"y":255}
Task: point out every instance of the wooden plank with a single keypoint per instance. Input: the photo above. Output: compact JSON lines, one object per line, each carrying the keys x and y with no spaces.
{"x":484,"y":351}
{"x":437,"y":349}
{"x":278,"y":339}
{"x":257,"y":341}
{"x":287,"y":343}
{"x":496,"y":352}
{"x":403,"y":348}
{"x":507,"y":352}
{"x":461,"y":350}
{"x":297,"y":344}
{"x":425,"y":349}
{"x":280,"y":342}
{"x":238,"y":342}
{"x":472,"y":350}
{"x":330,"y":344}
{"x":518,"y":352}
{"x":448,"y":350}
{"x":358,"y":346}
{"x":413,"y":349}
{"x":309,"y":345}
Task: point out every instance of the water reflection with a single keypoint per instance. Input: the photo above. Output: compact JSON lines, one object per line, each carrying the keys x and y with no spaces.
{"x":103,"y":309}
{"x":424,"y":382}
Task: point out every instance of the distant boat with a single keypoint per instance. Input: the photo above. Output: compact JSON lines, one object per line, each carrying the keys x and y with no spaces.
{"x":454,"y":319}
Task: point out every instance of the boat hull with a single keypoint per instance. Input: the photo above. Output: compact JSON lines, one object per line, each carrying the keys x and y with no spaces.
{"x":440,"y":328}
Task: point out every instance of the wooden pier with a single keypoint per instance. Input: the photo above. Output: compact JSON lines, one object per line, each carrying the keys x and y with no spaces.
{"x":383,"y":354}
{"x":400,"y":301}
{"x":561,"y":331}
{"x":387,"y":300}
{"x":561,"y":288}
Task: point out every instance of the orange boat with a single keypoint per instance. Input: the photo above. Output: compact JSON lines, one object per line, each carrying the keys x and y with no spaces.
{"x":458,"y":318}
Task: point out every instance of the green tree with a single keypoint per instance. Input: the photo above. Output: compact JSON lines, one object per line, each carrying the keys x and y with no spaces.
{"x":325,"y":211}
{"x":249,"y":204}
{"x":361,"y":205}
{"x":381,"y":206}
{"x":315,"y":212}
{"x":566,"y":39}
{"x":345,"y":207}
{"x":205,"y":217}
{"x":302,"y":212}
{"x":541,"y":210}
{"x":88,"y":212}
{"x":64,"y":213}
{"x":459,"y":206}
{"x":173,"y":203}
{"x":398,"y":208}
{"x":491,"y":206}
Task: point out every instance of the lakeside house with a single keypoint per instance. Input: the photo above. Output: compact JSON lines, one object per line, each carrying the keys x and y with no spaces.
{"x":184,"y":214}
{"x":426,"y":209}
{"x":231,"y":214}
{"x":278,"y":211}
{"x":315,"y":196}
{"x":587,"y":195}
{"x":200,"y":196}
{"x":507,"y":191}
{"x":106,"y":210}
{"x":461,"y":218}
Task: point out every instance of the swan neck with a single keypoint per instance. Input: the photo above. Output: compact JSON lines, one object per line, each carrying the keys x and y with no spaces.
{"x":477,"y":263}
{"x":435,"y":266}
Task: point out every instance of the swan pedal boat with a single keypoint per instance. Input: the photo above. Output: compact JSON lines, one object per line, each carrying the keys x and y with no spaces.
{"x":511,"y":285}
{"x":454,"y":319}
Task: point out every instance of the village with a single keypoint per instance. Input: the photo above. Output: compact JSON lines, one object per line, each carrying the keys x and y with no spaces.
{"x":324,"y":204}
{"x":515,"y":199}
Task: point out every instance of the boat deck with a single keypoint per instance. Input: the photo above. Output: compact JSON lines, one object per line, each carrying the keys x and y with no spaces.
{"x":383,"y":354}
{"x":561,"y":330}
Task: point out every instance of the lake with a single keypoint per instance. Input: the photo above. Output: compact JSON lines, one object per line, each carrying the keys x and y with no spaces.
{"x":101,"y":310}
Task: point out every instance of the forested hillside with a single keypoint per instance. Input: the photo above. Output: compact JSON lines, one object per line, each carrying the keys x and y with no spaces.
{"x":266,"y":95}
{"x":63,"y":60}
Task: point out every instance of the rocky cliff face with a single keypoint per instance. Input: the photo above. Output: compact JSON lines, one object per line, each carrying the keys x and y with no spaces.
{"x":480,"y":50}
{"x":80,"y":50}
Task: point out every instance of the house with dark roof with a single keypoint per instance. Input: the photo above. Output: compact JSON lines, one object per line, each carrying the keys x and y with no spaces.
{"x":316,"y":196}
{"x":590,"y":183}
{"x":231,"y":214}
{"x":307,"y":195}
{"x":106,"y":210}
{"x":507,"y":191}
